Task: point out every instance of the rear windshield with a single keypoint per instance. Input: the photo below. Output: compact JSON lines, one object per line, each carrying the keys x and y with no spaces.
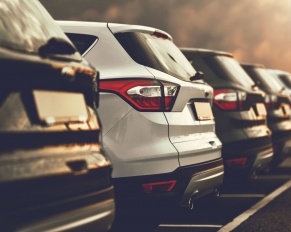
{"x":26,"y":25}
{"x":156,"y":52}
{"x":233,"y":71}
{"x":267,"y":80}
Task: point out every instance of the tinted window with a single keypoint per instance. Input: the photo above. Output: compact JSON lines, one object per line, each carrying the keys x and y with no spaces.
{"x":267,"y":80}
{"x":26,"y":25}
{"x":233,"y":71}
{"x":286,"y":79}
{"x":156,"y":52}
{"x":82,"y":42}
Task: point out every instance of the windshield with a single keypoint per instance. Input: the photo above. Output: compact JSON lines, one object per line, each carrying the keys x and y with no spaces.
{"x":156,"y":52}
{"x":233,"y":71}
{"x":267,"y":80}
{"x":26,"y":25}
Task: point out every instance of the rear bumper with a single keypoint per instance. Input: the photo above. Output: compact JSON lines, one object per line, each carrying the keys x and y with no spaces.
{"x":257,"y":152}
{"x":286,"y":150}
{"x":87,"y":213}
{"x":282,"y":145}
{"x":203,"y":183}
{"x":192,"y":181}
{"x":263,"y":159}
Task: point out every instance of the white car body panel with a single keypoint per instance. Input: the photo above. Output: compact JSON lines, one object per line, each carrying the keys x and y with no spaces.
{"x":186,"y":133}
{"x":138,"y":146}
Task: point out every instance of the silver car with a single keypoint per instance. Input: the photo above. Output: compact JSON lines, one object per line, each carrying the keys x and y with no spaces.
{"x":158,"y":126}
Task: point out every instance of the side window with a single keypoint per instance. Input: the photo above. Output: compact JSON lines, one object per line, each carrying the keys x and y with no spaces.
{"x":82,"y":42}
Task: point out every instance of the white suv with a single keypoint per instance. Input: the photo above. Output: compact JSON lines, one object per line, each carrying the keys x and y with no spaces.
{"x":158,"y":126}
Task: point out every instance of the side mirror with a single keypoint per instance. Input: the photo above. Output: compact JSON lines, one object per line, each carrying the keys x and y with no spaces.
{"x":198,"y":76}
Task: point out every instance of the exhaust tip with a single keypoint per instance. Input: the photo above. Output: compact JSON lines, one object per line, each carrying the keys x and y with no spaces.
{"x":190,"y":203}
{"x":216,"y":192}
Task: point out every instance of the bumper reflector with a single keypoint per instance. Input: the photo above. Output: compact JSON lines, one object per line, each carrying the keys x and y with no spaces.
{"x":239,"y":162}
{"x":275,"y":147}
{"x":158,"y":187}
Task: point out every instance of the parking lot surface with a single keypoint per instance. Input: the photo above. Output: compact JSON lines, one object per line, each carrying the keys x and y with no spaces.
{"x":261,"y":204}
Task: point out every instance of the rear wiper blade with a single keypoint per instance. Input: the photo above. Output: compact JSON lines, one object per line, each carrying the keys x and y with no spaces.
{"x":198,"y":76}
{"x":255,"y":86}
{"x":57,"y":46}
{"x":282,"y":89}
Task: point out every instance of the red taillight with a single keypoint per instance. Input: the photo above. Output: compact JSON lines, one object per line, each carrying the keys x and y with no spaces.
{"x":161,"y":34}
{"x":270,"y":101}
{"x":268,"y":106}
{"x":238,"y":162}
{"x":144,"y":95}
{"x":158,"y":187}
{"x":227,"y":99}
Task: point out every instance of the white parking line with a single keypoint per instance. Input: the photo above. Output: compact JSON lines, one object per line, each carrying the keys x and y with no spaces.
{"x":244,"y":216}
{"x":272,"y":177}
{"x":242,"y":195}
{"x":189,"y":226}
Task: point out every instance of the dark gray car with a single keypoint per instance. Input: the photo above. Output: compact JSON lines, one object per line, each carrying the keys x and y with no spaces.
{"x":240,"y":114}
{"x":284,"y":80}
{"x":278,"y":106}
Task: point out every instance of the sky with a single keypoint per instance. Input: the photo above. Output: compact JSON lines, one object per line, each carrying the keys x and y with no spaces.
{"x":254,"y":31}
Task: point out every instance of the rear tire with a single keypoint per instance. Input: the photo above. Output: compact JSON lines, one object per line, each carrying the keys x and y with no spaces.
{"x":134,"y":218}
{"x":134,"y":212}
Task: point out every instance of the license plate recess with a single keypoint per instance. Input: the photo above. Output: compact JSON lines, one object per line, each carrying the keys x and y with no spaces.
{"x":203,"y":111}
{"x":60,"y":107}
{"x":261,"y":109}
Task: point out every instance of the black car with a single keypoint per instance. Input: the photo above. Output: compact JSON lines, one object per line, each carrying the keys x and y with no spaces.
{"x":54,"y":175}
{"x":284,"y":80}
{"x":239,"y":112}
{"x":283,"y":76}
{"x":278,"y":106}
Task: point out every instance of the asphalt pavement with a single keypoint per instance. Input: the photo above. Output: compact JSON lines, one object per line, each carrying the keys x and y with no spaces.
{"x":260,"y":204}
{"x":272,"y":213}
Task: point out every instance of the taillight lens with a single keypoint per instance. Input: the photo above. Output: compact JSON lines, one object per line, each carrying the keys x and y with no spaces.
{"x":144,"y":95}
{"x":227,"y":99}
{"x":170,"y":93}
{"x":270,"y":101}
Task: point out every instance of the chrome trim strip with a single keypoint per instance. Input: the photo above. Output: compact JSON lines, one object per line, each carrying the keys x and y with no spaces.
{"x":92,"y":45}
